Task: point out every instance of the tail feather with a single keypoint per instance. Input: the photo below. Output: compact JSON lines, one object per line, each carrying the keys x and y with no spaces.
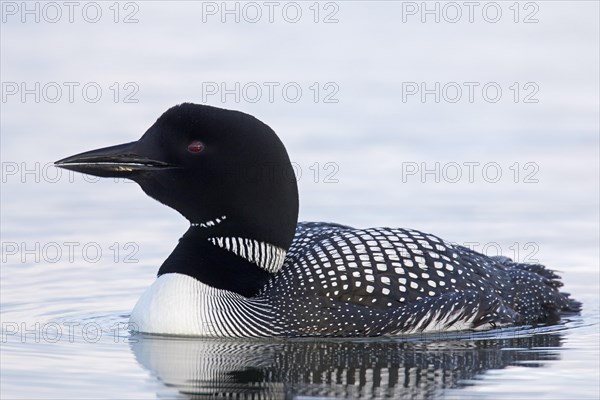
{"x":536,"y":295}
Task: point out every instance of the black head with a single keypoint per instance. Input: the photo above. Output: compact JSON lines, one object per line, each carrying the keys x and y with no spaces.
{"x":207,"y":162}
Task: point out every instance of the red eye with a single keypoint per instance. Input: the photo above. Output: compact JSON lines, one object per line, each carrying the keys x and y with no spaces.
{"x":196,"y":146}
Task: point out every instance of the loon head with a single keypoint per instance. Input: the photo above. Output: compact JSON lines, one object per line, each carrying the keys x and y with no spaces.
{"x":208,"y":163}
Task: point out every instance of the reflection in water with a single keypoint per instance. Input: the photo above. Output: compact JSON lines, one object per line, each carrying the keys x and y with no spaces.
{"x":370,"y":369}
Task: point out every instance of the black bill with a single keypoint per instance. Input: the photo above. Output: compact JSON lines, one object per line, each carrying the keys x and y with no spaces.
{"x":115,"y":161}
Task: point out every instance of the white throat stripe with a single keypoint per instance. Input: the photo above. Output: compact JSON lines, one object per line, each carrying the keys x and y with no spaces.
{"x":210,"y":223}
{"x":265,"y":255}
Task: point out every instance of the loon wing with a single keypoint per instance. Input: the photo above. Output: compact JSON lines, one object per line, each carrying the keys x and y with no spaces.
{"x":402,"y":280}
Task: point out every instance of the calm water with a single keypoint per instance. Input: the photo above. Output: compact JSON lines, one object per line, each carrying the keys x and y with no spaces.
{"x":77,"y":253}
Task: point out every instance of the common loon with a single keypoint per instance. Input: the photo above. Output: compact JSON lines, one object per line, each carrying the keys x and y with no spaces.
{"x":247,"y":268}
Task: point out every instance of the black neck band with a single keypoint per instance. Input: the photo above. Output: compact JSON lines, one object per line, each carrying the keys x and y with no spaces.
{"x":197,"y":257}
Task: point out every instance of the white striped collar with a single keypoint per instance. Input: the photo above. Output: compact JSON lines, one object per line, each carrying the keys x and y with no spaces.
{"x":210,"y":223}
{"x":267,"y":256}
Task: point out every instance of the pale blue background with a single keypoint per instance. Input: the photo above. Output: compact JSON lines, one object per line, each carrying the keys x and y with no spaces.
{"x":369,"y":133}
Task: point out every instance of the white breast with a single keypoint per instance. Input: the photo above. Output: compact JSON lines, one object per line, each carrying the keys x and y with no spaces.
{"x":174,"y":304}
{"x":177,"y":304}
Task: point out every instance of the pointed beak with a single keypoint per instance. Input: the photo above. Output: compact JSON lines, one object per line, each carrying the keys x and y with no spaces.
{"x":122,"y":160}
